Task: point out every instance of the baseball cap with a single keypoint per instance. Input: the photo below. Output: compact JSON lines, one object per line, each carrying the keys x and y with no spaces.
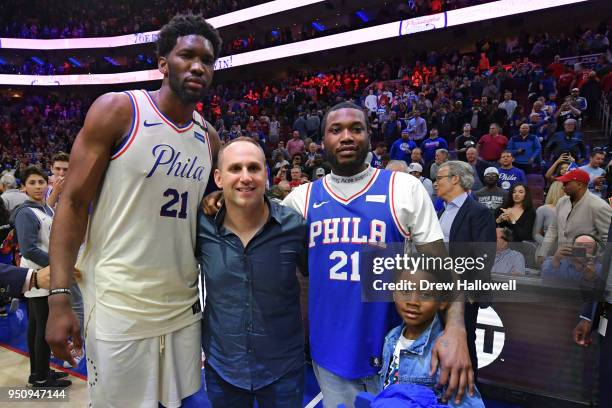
{"x":491,"y":170}
{"x":320,"y":171}
{"x":578,"y":175}
{"x":415,"y":167}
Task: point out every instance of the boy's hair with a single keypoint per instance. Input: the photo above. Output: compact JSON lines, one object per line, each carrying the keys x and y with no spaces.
{"x":60,"y":156}
{"x":187,"y":24}
{"x":434,"y":271}
{"x":33,"y":171}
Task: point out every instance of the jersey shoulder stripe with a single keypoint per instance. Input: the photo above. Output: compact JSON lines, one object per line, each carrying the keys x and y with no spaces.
{"x":307,"y":200}
{"x":206,"y":135}
{"x":398,"y":224}
{"x":127,"y":141}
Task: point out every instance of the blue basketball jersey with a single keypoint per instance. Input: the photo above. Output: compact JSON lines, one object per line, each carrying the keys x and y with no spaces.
{"x":346,"y":334}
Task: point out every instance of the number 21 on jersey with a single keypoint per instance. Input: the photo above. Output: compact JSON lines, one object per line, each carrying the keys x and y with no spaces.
{"x":169,"y":208}
{"x":337,"y":271}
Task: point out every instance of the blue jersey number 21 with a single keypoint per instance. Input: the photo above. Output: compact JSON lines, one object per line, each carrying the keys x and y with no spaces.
{"x":168,"y":211}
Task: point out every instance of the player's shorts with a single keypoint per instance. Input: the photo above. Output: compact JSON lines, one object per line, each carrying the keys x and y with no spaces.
{"x":141,"y":373}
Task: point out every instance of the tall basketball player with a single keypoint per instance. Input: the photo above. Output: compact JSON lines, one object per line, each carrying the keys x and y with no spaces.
{"x":353,"y":205}
{"x":143,"y":159}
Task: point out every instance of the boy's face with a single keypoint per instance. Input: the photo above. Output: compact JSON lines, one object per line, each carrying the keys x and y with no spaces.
{"x":417,"y":308}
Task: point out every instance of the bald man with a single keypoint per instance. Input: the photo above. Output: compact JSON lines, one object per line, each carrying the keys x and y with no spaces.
{"x":252,"y":331}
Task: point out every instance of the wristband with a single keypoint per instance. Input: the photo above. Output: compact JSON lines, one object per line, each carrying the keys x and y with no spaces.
{"x":60,"y":291}
{"x":35,"y":276}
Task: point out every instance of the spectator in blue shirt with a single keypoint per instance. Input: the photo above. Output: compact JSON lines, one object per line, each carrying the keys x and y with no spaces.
{"x":508,"y":174}
{"x":430,"y":145}
{"x":573,"y":263}
{"x":526,"y":149}
{"x":566,"y":141}
{"x":596,"y":172}
{"x":401,"y":148}
{"x":252,"y":331}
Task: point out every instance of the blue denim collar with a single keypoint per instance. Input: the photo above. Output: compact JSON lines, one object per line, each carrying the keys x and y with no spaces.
{"x":421,"y":343}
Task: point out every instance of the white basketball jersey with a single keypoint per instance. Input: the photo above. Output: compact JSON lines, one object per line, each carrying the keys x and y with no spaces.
{"x":139,"y":266}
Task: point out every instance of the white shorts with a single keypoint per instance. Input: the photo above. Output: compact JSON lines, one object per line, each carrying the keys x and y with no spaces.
{"x":141,"y":373}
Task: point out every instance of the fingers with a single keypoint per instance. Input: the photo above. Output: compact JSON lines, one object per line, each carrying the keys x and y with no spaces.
{"x":577,"y":337}
{"x":453,"y":383}
{"x":471,"y":382}
{"x":463,"y":380}
{"x":434,"y":362}
{"x":76,"y":335}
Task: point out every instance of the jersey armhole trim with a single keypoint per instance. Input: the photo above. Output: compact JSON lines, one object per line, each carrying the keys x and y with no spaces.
{"x":207,"y":137}
{"x":306,"y":201}
{"x":129,"y":138}
{"x":395,"y":217}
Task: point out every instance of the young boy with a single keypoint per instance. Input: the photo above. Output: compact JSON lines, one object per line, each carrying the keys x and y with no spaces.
{"x":407,"y":349}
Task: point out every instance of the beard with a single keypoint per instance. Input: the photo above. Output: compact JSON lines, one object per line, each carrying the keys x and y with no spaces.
{"x":178,"y":87}
{"x":352,"y":167}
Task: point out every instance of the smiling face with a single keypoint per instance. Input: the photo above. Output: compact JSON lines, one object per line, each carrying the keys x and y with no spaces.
{"x":347,"y":140}
{"x":189,"y":67}
{"x":242,"y":174}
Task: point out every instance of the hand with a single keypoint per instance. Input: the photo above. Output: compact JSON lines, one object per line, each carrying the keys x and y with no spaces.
{"x":43,"y":277}
{"x":61,"y":324}
{"x":451,"y":352}
{"x":212,"y":203}
{"x":582,"y":333}
{"x":563,"y":252}
{"x":59,"y":184}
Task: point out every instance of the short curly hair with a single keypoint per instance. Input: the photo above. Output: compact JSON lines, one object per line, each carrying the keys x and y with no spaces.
{"x":187,"y":24}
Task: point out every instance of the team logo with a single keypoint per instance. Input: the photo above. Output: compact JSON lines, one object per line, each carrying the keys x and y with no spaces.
{"x":490,"y":336}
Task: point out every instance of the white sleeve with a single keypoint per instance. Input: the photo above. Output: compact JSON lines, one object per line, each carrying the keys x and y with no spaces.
{"x":298,"y":199}
{"x":413,"y":209}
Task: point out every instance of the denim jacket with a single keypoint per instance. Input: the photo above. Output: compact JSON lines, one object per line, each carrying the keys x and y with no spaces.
{"x":415,"y":363}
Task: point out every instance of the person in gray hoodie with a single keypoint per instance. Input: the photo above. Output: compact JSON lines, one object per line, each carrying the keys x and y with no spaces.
{"x":32,"y":221}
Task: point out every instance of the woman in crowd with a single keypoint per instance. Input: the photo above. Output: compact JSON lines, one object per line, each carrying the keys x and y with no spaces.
{"x":517,"y":213}
{"x":546,"y":213}
{"x":559,"y":168}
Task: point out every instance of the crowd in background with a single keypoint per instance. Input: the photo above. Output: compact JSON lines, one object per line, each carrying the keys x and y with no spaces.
{"x":74,"y":19}
{"x":71,"y":19}
{"x":390,"y":11}
{"x":513,"y":110}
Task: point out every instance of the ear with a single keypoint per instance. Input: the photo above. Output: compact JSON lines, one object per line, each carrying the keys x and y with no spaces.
{"x":162,"y":65}
{"x":218,"y":180}
{"x":443,"y":306}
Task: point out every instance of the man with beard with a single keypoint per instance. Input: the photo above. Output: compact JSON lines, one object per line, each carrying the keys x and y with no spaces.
{"x":143,"y":159}
{"x":353,"y":205}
